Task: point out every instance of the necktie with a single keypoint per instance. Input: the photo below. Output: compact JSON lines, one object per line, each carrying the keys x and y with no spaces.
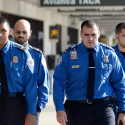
{"x":3,"y":80}
{"x":91,"y":78}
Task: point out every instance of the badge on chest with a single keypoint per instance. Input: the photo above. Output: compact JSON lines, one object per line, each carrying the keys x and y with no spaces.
{"x":15,"y":59}
{"x":73,"y":54}
{"x":105,"y":59}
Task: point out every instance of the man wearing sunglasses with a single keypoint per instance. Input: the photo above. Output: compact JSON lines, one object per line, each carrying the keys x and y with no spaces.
{"x":22,"y":32}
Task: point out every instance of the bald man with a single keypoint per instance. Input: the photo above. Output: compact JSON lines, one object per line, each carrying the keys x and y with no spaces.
{"x":22,"y":32}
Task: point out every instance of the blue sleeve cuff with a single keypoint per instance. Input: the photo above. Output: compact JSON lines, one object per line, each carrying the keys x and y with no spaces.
{"x":59,"y":107}
{"x":32,"y":109}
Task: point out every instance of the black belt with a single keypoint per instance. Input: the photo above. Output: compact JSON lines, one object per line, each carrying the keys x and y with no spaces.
{"x":12,"y":95}
{"x":92,"y":102}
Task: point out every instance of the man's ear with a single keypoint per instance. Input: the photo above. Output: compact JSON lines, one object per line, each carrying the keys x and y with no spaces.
{"x":116,"y":36}
{"x":30,"y":32}
{"x":81,"y":34}
{"x":99,"y":33}
{"x":10,"y":30}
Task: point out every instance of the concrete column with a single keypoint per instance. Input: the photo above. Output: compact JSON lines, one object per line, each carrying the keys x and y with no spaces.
{"x":1,"y":4}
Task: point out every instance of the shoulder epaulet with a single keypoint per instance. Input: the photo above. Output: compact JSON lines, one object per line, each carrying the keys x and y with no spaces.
{"x":108,"y":47}
{"x":36,"y":49}
{"x":22,"y":48}
{"x":71,"y":47}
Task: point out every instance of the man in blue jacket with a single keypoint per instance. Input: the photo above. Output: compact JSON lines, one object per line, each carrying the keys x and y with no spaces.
{"x":18,"y":99}
{"x":90,"y":73}
{"x":120,"y":47}
{"x":22,"y":33}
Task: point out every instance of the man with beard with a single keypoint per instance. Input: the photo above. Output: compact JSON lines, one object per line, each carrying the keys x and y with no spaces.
{"x":22,"y":33}
{"x":18,"y":99}
{"x":120,"y":48}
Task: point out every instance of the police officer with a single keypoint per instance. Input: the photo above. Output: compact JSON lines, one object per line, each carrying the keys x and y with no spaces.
{"x":90,"y":73}
{"x":120,"y":48}
{"x":17,"y":79}
{"x":22,"y":33}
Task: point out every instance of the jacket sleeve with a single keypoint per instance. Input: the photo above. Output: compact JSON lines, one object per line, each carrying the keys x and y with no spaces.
{"x":43,"y":83}
{"x":60,"y":77}
{"x":30,"y":84}
{"x":118,"y":81}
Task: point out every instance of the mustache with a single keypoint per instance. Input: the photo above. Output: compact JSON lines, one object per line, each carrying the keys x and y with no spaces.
{"x":20,"y":37}
{"x":90,"y":41}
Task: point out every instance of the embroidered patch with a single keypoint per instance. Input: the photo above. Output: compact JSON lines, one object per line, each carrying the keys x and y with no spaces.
{"x":44,"y":62}
{"x":30,"y":62}
{"x":59,"y":62}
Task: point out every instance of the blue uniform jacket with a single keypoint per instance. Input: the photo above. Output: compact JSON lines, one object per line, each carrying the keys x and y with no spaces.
{"x":41,"y":73}
{"x":120,"y":56}
{"x":19,"y":72}
{"x":71,"y":75}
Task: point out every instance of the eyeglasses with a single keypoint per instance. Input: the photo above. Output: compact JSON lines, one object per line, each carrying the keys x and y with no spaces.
{"x":23,"y":32}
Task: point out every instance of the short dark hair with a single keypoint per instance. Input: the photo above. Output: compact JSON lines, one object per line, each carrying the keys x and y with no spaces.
{"x":119,"y":27}
{"x":89,"y":24}
{"x":4,"y":20}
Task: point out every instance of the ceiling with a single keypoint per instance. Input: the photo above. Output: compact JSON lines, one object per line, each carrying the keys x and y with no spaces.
{"x":107,"y":16}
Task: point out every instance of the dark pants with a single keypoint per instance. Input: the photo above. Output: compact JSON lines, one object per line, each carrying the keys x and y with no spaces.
{"x":117,"y":111}
{"x":102,"y":113}
{"x":14,"y":112}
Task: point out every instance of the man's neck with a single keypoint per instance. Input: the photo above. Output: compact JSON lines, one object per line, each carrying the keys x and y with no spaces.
{"x":25,"y":44}
{"x":121,"y":49}
{"x":2,"y":45}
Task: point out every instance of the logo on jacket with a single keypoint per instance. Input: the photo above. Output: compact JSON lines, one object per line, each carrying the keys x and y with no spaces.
{"x":73,"y":54}
{"x":105,"y":59}
{"x":59,"y":62}
{"x":15,"y":59}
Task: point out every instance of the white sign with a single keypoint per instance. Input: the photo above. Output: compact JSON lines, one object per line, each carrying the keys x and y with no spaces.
{"x":70,"y":2}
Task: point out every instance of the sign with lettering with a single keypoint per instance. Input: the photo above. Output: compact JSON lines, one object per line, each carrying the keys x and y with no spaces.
{"x":81,"y":2}
{"x":99,"y":9}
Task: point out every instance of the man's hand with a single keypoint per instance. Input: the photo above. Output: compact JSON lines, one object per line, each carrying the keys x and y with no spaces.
{"x":30,"y":119}
{"x":61,"y":117}
{"x":122,"y":118}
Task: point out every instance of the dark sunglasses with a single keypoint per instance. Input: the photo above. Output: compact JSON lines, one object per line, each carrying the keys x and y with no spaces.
{"x":24,"y":32}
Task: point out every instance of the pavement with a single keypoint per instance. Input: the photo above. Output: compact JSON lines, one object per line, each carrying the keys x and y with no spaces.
{"x":48,"y":115}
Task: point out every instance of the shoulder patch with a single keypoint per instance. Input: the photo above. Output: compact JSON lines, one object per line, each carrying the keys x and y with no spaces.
{"x":38,"y":50}
{"x":30,"y":62}
{"x":44,"y":62}
{"x":22,"y":48}
{"x":108,"y":47}
{"x":71,"y":47}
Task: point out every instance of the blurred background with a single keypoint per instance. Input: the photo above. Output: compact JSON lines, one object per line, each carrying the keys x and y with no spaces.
{"x":56,"y":25}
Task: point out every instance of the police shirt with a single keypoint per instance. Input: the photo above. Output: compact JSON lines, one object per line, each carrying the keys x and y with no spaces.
{"x":19,"y":68}
{"x":120,"y":55}
{"x":71,"y":75}
{"x":41,"y":73}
